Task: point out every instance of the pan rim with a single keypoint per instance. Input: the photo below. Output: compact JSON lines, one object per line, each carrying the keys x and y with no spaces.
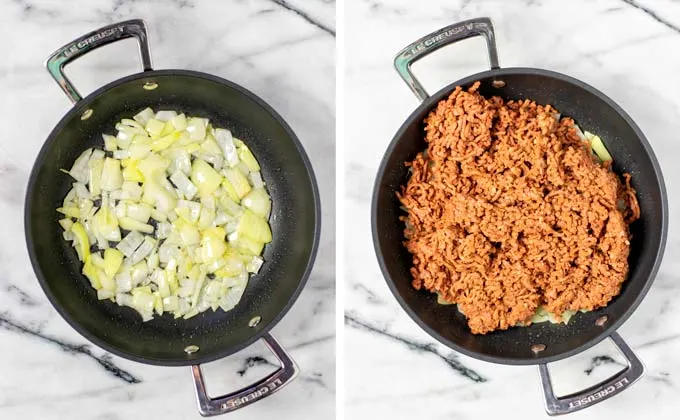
{"x":609,"y":329}
{"x":78,"y":107}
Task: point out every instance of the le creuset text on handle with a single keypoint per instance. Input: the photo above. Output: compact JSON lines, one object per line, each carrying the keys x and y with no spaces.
{"x":555,"y":406}
{"x":441,"y":38}
{"x":263,"y":388}
{"x":134,"y":28}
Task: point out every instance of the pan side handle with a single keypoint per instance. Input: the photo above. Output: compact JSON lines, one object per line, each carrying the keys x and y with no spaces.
{"x":93,"y":40}
{"x":555,"y":406}
{"x":441,"y":38}
{"x":263,"y":388}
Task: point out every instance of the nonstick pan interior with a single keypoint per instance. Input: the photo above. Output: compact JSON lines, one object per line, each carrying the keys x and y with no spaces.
{"x":631,"y":152}
{"x":288,"y":259}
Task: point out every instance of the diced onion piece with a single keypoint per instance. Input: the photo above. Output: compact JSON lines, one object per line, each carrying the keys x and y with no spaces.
{"x":167,"y":251}
{"x":112,"y":177}
{"x":245,"y":244}
{"x":144,"y":249}
{"x":188,"y":233}
{"x":81,"y":240}
{"x":213,"y":159}
{"x":130,"y":243}
{"x":139,"y":151}
{"x":95,"y":168}
{"x":229,"y":301}
{"x":164,"y":142}
{"x":123,"y":282}
{"x":165,"y":115}
{"x":246,"y":156}
{"x":184,"y":185}
{"x":139,"y":274}
{"x":159,"y":196}
{"x":206,"y":218}
{"x":106,"y":223}
{"x":140,"y":212}
{"x":158,"y":215}
{"x":81,"y":191}
{"x":179,"y":122}
{"x":163,"y":229}
{"x":132,"y":224}
{"x":204,"y":177}
{"x":121,"y":209}
{"x":80,"y":169}
{"x":131,"y":191}
{"x":97,"y":154}
{"x":598,"y":147}
{"x":212,"y":248}
{"x":144,"y":115}
{"x":255,"y":264}
{"x":110,"y":142}
{"x":113,"y":258}
{"x":256,"y":179}
{"x":196,"y":128}
{"x":103,"y":294}
{"x":238,"y":181}
{"x":180,"y":160}
{"x":154,"y":127}
{"x":226,"y":142}
{"x":254,"y":227}
{"x":257,"y":200}
{"x":121,"y":154}
{"x":143,"y":302}
{"x":132,"y":174}
{"x":188,"y":210}
{"x":66,"y":224}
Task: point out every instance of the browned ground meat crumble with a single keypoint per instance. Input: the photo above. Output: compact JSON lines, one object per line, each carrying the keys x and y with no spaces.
{"x":508,"y":210}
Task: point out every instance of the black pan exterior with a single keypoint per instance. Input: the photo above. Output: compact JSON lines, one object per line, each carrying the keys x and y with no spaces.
{"x":594,"y":112}
{"x":295,"y":219}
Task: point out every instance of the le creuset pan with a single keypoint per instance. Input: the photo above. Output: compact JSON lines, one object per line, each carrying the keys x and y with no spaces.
{"x":295,"y":219}
{"x":632,"y":153}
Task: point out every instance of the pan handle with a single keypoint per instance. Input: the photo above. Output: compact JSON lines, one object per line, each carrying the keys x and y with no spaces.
{"x":263,"y":388}
{"x":555,"y":406}
{"x":441,"y":38}
{"x":93,"y":40}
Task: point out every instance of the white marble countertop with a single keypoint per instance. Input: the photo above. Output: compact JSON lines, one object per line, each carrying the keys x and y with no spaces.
{"x":628,"y":50}
{"x":282,"y":52}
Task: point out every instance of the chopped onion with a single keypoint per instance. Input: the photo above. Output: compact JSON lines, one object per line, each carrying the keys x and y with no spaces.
{"x":121,"y":154}
{"x":165,"y":115}
{"x":256,"y":179}
{"x":130,"y":243}
{"x":144,"y":249}
{"x":226,"y":142}
{"x":184,"y":185}
{"x":144,"y":115}
{"x":80,"y":169}
{"x":112,"y":177}
{"x":210,"y":211}
{"x":110,"y":143}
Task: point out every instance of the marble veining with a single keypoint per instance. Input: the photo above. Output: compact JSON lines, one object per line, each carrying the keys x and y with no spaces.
{"x":625,"y":48}
{"x":283,"y":51}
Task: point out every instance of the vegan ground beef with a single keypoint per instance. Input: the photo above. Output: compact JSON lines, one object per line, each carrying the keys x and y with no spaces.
{"x":508,"y":209}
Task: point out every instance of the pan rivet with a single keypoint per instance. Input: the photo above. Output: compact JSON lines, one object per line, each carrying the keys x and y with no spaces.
{"x":150,"y":85}
{"x":191,"y":349}
{"x":254,"y":321}
{"x":537,"y":348}
{"x":87,"y":114}
{"x":498,"y":83}
{"x":601,"y":320}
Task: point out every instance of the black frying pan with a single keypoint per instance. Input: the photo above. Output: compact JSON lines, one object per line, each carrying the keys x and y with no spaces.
{"x":288,"y":259}
{"x":594,"y":112}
